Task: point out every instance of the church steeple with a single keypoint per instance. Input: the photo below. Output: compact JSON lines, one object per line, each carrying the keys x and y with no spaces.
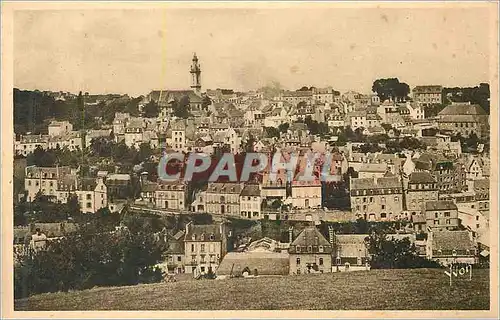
{"x":195,"y":75}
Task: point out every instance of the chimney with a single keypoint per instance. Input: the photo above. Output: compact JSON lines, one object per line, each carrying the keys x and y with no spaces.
{"x":221,"y":228}
{"x":290,"y":235}
{"x":188,"y":226}
{"x":331,"y":234}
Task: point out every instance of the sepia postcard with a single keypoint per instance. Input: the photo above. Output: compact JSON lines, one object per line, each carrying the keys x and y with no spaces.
{"x":249,"y":159}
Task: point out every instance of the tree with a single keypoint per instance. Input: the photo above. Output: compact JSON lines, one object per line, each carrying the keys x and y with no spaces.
{"x":181,"y":108}
{"x":151,"y":110}
{"x":304,"y":88}
{"x":205,"y":102}
{"x":391,"y":88}
{"x":271,"y":132}
{"x":248,"y":145}
{"x":283,"y":127}
{"x":272,"y":90}
{"x":388,"y":253}
{"x":145,"y":151}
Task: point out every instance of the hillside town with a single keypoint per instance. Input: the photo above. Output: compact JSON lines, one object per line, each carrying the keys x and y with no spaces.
{"x":415,"y":161}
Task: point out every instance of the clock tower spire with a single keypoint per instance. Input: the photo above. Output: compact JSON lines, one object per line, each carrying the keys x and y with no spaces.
{"x":195,"y":75}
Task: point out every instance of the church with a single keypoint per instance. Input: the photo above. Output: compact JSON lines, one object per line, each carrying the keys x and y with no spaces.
{"x":166,"y":98}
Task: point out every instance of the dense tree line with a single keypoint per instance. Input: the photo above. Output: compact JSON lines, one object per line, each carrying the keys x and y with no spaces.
{"x":33,"y":109}
{"x":391,"y":88}
{"x":42,"y":209}
{"x":475,"y":95}
{"x":95,"y":255}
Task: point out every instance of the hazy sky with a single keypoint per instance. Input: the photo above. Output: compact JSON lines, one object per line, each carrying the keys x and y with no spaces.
{"x":134,"y":51}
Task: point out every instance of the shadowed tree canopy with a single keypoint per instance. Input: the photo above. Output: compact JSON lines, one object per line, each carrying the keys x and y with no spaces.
{"x":475,"y":95}
{"x":151,"y":109}
{"x":181,"y":108}
{"x":391,"y":88}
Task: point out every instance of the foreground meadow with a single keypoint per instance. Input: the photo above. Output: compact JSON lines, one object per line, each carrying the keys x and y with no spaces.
{"x":418,"y":289}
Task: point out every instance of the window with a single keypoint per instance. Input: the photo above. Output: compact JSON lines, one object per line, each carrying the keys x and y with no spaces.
{"x":298,"y":261}
{"x":371,"y":199}
{"x":202,"y":248}
{"x":446,"y":214}
{"x":448,"y":221}
{"x":89,"y":205}
{"x":364,"y":199}
{"x":320,"y":261}
{"x":396,"y":199}
{"x":436,"y":215}
{"x":29,"y":182}
{"x":477,"y":218}
{"x":383,"y":206}
{"x":309,"y":248}
{"x":383,"y":215}
{"x":320,"y":249}
{"x":179,"y":258}
{"x":89,"y":196}
{"x":436,"y":222}
{"x":192,"y":248}
{"x":297,"y":248}
{"x":477,"y":226}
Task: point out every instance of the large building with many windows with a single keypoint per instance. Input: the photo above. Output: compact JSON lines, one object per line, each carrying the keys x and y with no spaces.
{"x":464,"y":119}
{"x":204,"y":247}
{"x":377,"y":199}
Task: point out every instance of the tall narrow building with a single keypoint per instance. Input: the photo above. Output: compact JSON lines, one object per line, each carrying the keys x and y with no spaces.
{"x":195,"y":75}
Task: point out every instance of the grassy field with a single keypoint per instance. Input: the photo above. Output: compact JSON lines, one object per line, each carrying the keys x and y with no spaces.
{"x":423,"y":289}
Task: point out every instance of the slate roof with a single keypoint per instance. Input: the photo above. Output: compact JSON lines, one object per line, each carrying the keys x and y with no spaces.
{"x":266,"y":263}
{"x":377,"y":183}
{"x":149,"y":187}
{"x":310,"y":236}
{"x":373,"y":167}
{"x":251,"y":190}
{"x":351,"y":245}
{"x":482,"y":185}
{"x":418,"y":218}
{"x":87,"y":184}
{"x":421,"y":177}
{"x":452,"y":240}
{"x":462,"y":109}
{"x":440,"y":205}
{"x":199,"y":232}
{"x":428,"y":89}
{"x":224,"y":188}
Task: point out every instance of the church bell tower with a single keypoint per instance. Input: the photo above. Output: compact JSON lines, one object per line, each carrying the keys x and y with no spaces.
{"x":195,"y":75}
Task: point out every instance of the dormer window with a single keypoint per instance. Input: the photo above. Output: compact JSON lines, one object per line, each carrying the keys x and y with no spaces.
{"x":193,"y":237}
{"x":212,"y":237}
{"x":320,"y":249}
{"x":202,"y":237}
